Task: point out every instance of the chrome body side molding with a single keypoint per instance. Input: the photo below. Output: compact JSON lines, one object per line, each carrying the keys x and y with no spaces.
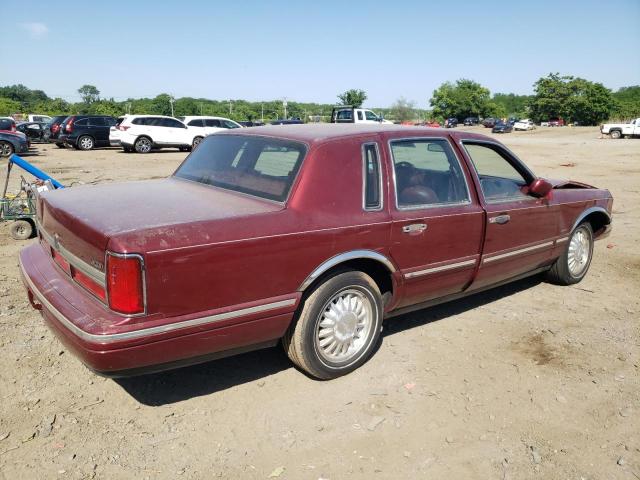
{"x":345,"y":257}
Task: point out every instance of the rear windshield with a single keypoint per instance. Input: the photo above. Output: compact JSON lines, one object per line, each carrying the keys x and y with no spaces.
{"x":260,"y":166}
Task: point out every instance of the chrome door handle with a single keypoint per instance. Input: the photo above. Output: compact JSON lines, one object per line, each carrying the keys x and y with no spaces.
{"x":414,"y":228}
{"x":500,"y":219}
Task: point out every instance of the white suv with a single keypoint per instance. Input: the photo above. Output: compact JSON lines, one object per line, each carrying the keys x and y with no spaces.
{"x":141,"y":133}
{"x":203,"y":126}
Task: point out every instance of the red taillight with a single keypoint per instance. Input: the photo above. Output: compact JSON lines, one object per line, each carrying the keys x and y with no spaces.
{"x":125,"y":284}
{"x":69,"y":127}
{"x":55,"y":127}
{"x":62,"y":263}
{"x":123,"y":128}
{"x":88,"y":283}
{"x":13,"y":127}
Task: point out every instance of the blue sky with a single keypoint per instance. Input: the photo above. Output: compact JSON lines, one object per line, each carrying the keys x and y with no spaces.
{"x":311,"y":51}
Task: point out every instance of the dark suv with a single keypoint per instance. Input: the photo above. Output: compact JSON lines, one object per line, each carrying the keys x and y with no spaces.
{"x":54,"y":129}
{"x":86,"y":132}
{"x":469,"y":121}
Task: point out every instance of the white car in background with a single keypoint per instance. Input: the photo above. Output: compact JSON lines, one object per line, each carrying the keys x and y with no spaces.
{"x":142,"y":133}
{"x":525,"y":124}
{"x":201,"y":126}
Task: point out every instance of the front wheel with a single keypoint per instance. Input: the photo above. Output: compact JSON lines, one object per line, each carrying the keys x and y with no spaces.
{"x":196,"y":142}
{"x":338,"y":327}
{"x":6,"y":149}
{"x":616,"y":134}
{"x":143,"y":145}
{"x":21,"y":230}
{"x":573,"y":264}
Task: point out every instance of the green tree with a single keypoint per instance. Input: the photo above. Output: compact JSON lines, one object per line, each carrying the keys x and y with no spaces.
{"x":465,"y":98}
{"x":570,"y":98}
{"x":511,"y":105}
{"x":403,"y":110}
{"x":626,"y":103}
{"x":353,"y":97}
{"x":89,"y":93}
{"x":9,"y":107}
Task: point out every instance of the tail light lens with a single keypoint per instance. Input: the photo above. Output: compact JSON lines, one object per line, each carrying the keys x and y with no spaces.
{"x":13,"y":127}
{"x":125,"y":284}
{"x":88,"y":283}
{"x":69,"y":127}
{"x":122,"y":128}
{"x":62,"y":263}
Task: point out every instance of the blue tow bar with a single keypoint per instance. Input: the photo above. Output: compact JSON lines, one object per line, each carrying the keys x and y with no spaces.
{"x":36,"y":172}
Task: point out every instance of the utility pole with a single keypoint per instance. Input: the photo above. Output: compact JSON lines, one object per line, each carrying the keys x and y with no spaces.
{"x":284,"y":106}
{"x":200,"y":108}
{"x":262,"y":112}
{"x":128,"y":108}
{"x":171,"y":100}
{"x":230,"y":103}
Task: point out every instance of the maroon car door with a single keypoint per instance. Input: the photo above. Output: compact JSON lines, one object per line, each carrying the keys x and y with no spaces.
{"x":437,"y":223}
{"x":521,"y":230}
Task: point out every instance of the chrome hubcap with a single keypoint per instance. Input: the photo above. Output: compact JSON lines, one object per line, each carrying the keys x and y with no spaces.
{"x":86,"y":143}
{"x":5,"y":150}
{"x":345,"y":325}
{"x":579,"y":251}
{"x":144,"y":145}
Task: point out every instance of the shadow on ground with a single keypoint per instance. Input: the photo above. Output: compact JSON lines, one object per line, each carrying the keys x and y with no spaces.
{"x":207,"y":378}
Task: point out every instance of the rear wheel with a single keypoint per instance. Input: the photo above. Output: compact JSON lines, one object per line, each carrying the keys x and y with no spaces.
{"x":338,"y":326}
{"x":6,"y":149}
{"x":573,"y":264}
{"x":196,"y":142}
{"x":143,"y":145}
{"x":616,"y":134}
{"x":21,"y":230}
{"x":85,"y":143}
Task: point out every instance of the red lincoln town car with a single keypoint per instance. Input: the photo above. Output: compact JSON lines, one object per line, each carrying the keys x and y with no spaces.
{"x":306,"y":234}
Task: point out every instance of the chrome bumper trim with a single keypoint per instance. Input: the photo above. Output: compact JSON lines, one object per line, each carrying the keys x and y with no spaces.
{"x":442,"y":268}
{"x":134,"y":334}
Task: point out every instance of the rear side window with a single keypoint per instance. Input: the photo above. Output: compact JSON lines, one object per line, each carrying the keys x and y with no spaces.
{"x":196,"y":123}
{"x":260,"y":166}
{"x":212,"y":122}
{"x":171,"y":122}
{"x":372,"y":178}
{"x":97,"y":122}
{"x":81,"y":123}
{"x":344,"y":115}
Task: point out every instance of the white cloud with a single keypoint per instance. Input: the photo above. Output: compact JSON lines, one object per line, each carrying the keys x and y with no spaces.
{"x":35,"y":29}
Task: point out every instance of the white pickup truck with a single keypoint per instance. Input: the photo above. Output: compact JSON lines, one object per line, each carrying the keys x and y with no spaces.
{"x":349,"y":114}
{"x":619,"y":130}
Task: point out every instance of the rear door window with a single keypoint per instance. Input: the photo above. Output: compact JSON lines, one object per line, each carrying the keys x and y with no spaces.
{"x":97,"y":122}
{"x":198,"y":122}
{"x":212,"y":122}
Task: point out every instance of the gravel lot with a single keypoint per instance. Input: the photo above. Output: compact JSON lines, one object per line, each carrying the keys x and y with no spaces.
{"x":526,"y":381}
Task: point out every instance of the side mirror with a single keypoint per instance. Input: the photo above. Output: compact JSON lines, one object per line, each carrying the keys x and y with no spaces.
{"x":540,"y":187}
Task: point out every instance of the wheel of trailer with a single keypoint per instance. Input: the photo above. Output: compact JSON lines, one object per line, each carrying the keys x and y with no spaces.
{"x":338,"y":326}
{"x":196,"y":142}
{"x":573,"y":264}
{"x":6,"y":149}
{"x":616,"y":134}
{"x":143,"y":145}
{"x":21,"y":230}
{"x":85,"y":142}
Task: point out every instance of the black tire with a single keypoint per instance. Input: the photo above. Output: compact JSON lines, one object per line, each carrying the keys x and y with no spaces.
{"x":304,"y":338}
{"x":6,"y":149}
{"x":21,"y":230}
{"x":127,"y":149}
{"x":196,"y":142}
{"x":561,"y":272}
{"x":615,"y":134}
{"x":85,"y":142}
{"x":61,"y":145}
{"x":143,"y":145}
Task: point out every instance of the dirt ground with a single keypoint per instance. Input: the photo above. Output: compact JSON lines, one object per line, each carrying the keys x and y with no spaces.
{"x":527,"y":381}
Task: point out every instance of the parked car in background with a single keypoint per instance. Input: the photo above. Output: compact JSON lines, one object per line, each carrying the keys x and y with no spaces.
{"x":619,"y":130}
{"x":512,"y":120}
{"x":12,"y":142}
{"x":286,"y":121}
{"x":451,"y":122}
{"x":34,"y":117}
{"x":469,"y":121}
{"x":86,"y":132}
{"x":308,"y":235}
{"x":142,"y":133}
{"x":556,"y":122}
{"x":203,"y":126}
{"x":490,"y":122}
{"x":54,"y":129}
{"x":251,"y":123}
{"x":524,"y":124}
{"x":349,"y":114}
{"x":502,"y":127}
{"x":7,"y":124}
{"x":35,"y":131}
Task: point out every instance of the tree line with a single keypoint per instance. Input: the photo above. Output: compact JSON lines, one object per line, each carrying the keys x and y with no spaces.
{"x":574,"y":99}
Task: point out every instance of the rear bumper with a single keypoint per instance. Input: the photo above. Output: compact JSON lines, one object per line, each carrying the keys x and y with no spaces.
{"x":113,"y":345}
